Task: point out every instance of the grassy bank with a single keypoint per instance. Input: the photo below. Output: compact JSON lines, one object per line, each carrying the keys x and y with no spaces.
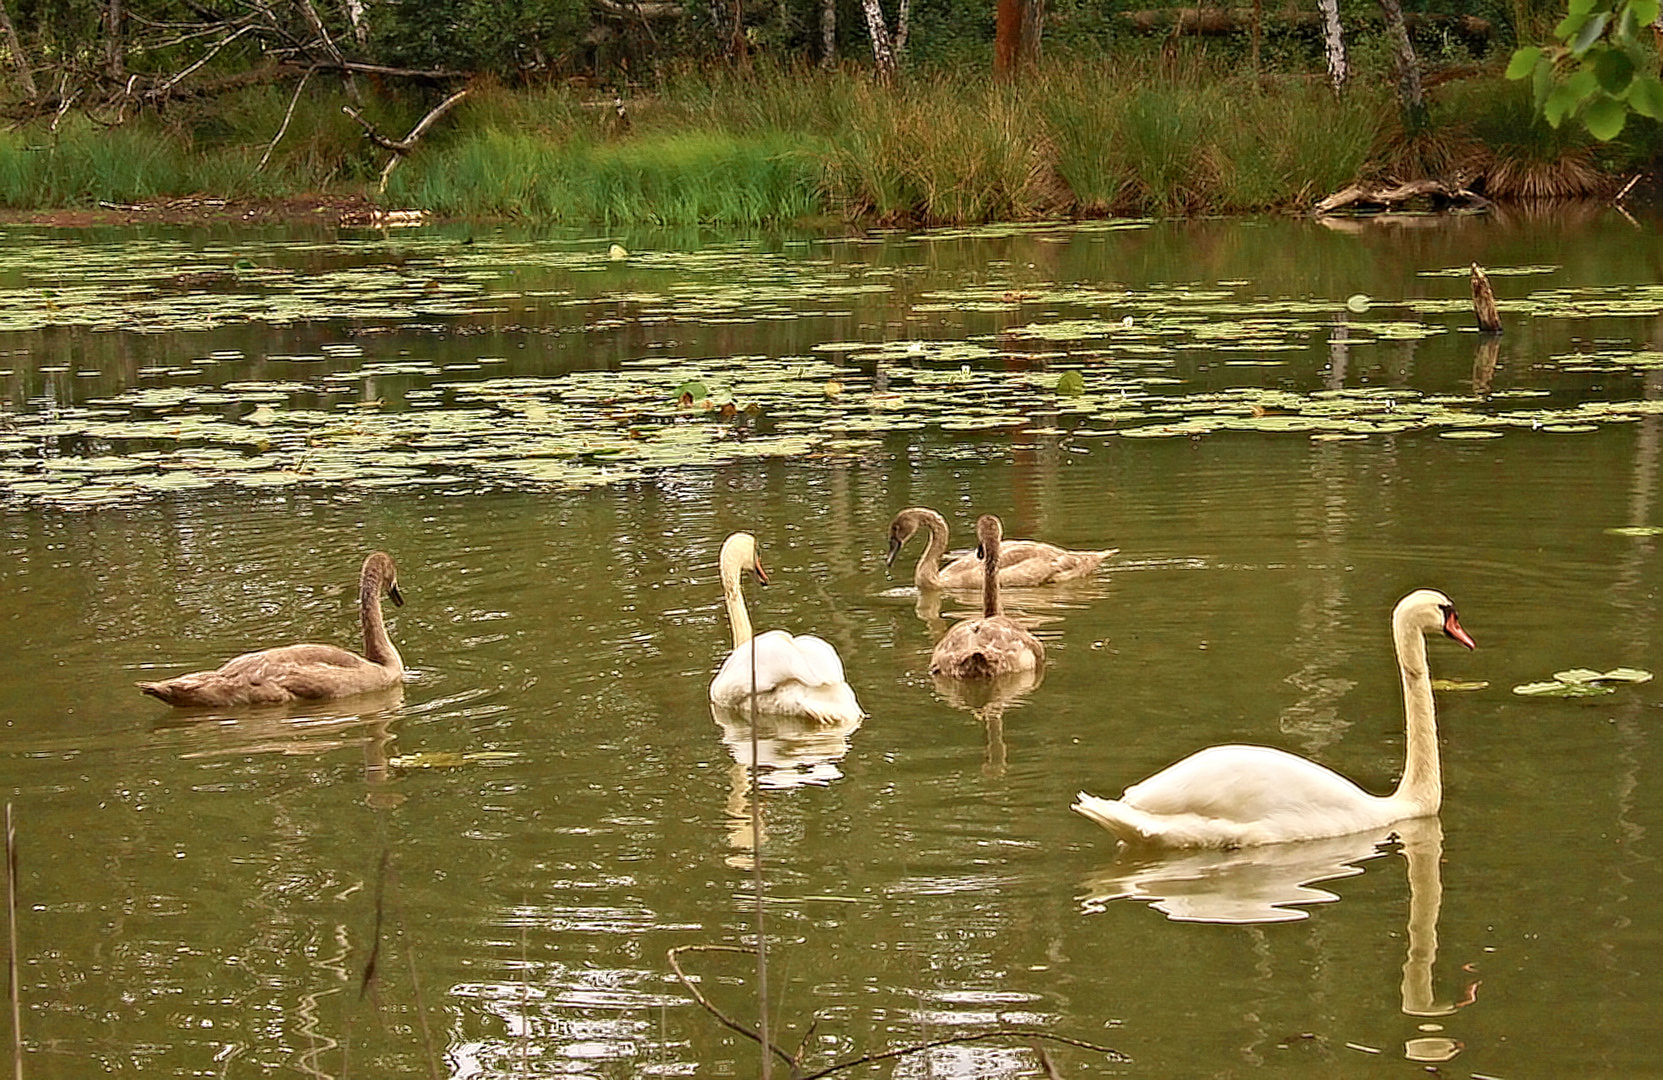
{"x":1160,"y":137}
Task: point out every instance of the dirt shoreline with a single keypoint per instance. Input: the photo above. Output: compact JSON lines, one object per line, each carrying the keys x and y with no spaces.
{"x":315,"y":209}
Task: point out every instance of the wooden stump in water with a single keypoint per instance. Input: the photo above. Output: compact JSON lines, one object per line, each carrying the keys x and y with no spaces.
{"x":1484,"y":301}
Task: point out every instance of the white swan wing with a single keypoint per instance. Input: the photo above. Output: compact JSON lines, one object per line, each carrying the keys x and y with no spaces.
{"x":1246,"y":784}
{"x":780,"y":658}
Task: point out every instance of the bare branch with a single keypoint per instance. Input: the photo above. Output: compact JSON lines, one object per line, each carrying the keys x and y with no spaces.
{"x":865,"y":1059}
{"x":163,"y":88}
{"x":401,"y":147}
{"x":275,"y":139}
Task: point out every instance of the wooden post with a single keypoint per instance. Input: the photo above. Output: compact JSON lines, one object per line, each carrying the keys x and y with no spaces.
{"x":1484,"y":301}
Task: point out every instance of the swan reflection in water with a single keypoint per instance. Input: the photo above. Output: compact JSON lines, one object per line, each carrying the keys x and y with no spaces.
{"x":791,"y":752}
{"x":987,"y":700}
{"x":298,"y":728}
{"x":1265,"y":883}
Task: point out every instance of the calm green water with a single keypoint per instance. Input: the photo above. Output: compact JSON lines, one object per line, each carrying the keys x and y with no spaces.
{"x":198,"y":893}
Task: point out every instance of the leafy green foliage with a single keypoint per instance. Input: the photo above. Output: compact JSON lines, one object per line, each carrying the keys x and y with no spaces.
{"x":1599,"y":70}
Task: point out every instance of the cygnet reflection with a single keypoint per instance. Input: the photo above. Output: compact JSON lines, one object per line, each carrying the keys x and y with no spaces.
{"x":791,"y":752}
{"x":296,"y":728}
{"x":987,"y":700}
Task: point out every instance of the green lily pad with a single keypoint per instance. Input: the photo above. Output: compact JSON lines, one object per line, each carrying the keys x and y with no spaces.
{"x":1071,"y":384}
{"x":1561,"y":689}
{"x":446,"y":759}
{"x":1458,"y":685}
{"x":1637,"y":530}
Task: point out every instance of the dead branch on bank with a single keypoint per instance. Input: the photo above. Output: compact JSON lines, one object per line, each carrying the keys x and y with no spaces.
{"x":794,"y":1061}
{"x":401,"y":147}
{"x":1377,"y":195}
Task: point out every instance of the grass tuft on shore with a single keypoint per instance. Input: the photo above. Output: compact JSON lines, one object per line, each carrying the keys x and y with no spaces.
{"x":1161,"y":135}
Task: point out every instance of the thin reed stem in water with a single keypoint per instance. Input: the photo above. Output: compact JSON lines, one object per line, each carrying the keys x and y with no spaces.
{"x":13,"y":990}
{"x":756,"y":871}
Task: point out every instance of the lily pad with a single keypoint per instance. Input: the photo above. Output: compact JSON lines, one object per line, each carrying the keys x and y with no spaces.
{"x":1458,"y":684}
{"x":1637,"y":530}
{"x":1561,"y":689}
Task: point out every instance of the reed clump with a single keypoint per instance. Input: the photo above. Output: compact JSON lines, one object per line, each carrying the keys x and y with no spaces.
{"x":1159,"y":135}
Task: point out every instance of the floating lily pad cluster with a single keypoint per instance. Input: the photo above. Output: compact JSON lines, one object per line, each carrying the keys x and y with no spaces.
{"x":1583,"y":682}
{"x":1080,"y":361}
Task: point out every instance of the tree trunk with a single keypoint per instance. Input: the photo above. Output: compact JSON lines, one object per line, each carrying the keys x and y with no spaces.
{"x":1333,"y":38}
{"x":1408,"y":69}
{"x":24,"y":75}
{"x":115,"y":55}
{"x":355,"y":15}
{"x":883,"y":52}
{"x":1017,"y":28}
{"x":903,"y":24}
{"x":1258,"y":31}
{"x":828,"y":32}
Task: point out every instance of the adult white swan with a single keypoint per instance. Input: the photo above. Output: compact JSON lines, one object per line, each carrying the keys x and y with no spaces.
{"x":1232,"y":796}
{"x":795,"y":676}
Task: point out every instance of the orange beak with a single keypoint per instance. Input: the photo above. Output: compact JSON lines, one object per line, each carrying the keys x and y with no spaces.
{"x":1452,"y":627}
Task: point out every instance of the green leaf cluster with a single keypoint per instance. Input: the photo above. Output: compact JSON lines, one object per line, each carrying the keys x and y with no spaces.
{"x":1599,"y":69}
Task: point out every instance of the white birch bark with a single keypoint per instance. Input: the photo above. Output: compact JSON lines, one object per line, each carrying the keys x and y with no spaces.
{"x":883,"y":51}
{"x":1333,"y":38}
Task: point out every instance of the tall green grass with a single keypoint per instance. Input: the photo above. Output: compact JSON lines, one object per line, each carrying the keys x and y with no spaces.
{"x":1152,"y":135}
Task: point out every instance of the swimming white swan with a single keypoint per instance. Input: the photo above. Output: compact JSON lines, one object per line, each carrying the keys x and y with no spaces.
{"x":795,"y":676}
{"x":994,"y":644}
{"x":1233,"y":796}
{"x":1024,"y":562}
{"x":302,"y":672}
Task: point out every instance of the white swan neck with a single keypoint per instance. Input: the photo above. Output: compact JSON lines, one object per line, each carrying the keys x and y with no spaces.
{"x":738,"y":618}
{"x":927,"y":574}
{"x":1422,"y":782}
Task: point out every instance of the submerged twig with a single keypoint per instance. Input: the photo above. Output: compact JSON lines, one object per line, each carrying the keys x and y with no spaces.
{"x":374,"y":960}
{"x":723,"y":1018}
{"x":13,"y":990}
{"x":421,"y":1011}
{"x":729,"y":1022}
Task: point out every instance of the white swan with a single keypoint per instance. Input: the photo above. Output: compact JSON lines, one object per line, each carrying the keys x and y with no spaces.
{"x":795,"y":676}
{"x":1233,"y":796}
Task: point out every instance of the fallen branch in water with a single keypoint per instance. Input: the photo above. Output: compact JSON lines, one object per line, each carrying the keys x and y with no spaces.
{"x":793,"y":1060}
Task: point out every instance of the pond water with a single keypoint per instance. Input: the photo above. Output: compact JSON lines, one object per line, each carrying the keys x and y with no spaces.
{"x":203,"y":433}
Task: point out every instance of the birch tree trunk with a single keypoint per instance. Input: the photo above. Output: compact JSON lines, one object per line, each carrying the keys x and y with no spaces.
{"x":883,"y":51}
{"x":1408,"y":69}
{"x":24,"y":75}
{"x":1333,"y":39}
{"x":355,"y":15}
{"x":828,"y":33}
{"x":902,"y":26}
